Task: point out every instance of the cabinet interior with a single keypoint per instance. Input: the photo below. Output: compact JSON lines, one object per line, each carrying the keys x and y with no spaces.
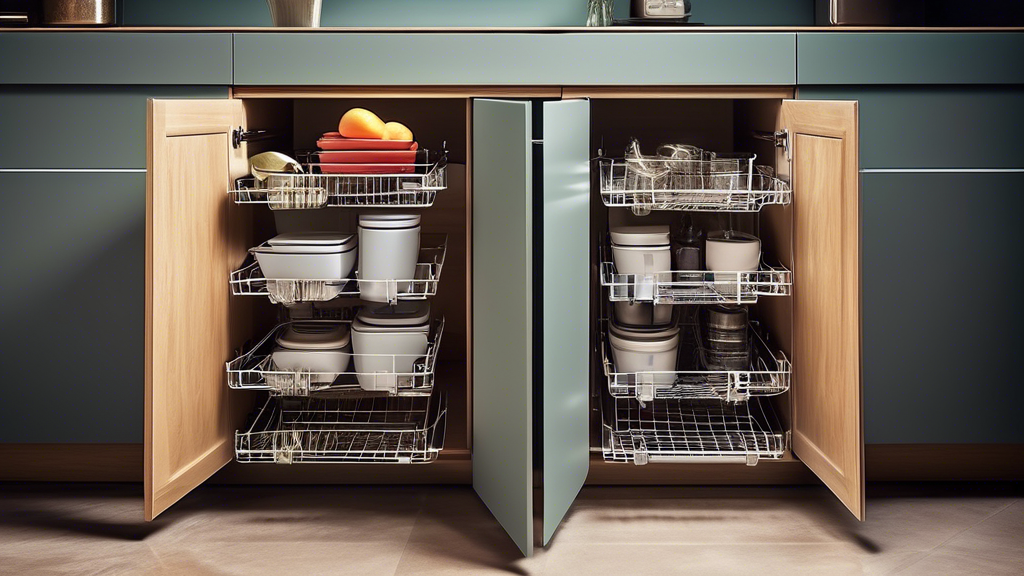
{"x":719,"y":125}
{"x":295,"y":124}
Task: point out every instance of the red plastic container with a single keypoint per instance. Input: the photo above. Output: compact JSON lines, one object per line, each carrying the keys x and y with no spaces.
{"x":340,"y":168}
{"x":369,"y":156}
{"x":332,"y":142}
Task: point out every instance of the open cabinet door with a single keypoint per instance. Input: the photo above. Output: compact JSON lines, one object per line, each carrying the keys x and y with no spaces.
{"x":192,"y":326}
{"x":503,"y":314}
{"x":827,"y":419}
{"x":566,"y":306}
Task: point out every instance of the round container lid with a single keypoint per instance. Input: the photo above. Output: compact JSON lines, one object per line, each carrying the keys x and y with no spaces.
{"x":640,"y":235}
{"x":314,"y":336}
{"x":312,"y":239}
{"x":731,"y":236}
{"x":389,"y":221}
{"x":653,"y":333}
{"x":623,"y":344}
{"x":406,"y":313}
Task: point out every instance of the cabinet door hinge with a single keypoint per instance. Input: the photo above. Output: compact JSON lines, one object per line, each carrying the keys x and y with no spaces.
{"x":779,"y":138}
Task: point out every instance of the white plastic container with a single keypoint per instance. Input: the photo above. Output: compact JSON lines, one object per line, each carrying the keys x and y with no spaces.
{"x":389,"y":245}
{"x":644,"y":251}
{"x":387,"y":341}
{"x":731,"y":251}
{"x":307,"y":256}
{"x":318,"y":347}
{"x":645,"y":351}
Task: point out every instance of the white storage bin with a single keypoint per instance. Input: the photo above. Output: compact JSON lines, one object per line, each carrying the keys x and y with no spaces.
{"x":389,"y":245}
{"x":387,"y":340}
{"x":654,"y":350}
{"x":642,"y":251}
{"x":307,"y":256}
{"x":321,"y":348}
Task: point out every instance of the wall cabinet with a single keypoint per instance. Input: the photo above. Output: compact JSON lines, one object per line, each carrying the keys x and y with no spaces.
{"x":520,"y":293}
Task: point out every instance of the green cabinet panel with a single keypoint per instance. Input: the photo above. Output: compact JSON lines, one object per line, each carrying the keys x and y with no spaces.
{"x":79,"y":57}
{"x":934,"y":126}
{"x":81,"y":126}
{"x":942,"y":308}
{"x":515,"y":59}
{"x":503,"y":314}
{"x":910,"y":58}
{"x":566,"y":309}
{"x":72,"y":302}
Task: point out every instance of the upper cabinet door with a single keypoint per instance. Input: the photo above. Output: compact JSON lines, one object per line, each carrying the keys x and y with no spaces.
{"x":192,"y":325}
{"x":566,"y":306}
{"x":502,"y":167}
{"x":828,"y":425}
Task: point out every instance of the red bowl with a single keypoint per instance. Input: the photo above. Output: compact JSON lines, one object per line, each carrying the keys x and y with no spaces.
{"x":369,"y":156}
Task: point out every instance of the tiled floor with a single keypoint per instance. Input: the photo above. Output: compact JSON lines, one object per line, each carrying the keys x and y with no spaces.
{"x":911,"y":529}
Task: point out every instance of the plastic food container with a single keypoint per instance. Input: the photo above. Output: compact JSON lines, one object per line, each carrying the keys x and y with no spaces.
{"x":398,"y":334}
{"x":328,"y":168}
{"x":368,"y":156}
{"x":307,"y":256}
{"x":731,"y":251}
{"x":641,"y":250}
{"x":318,"y":347}
{"x":334,"y":141}
{"x":653,"y":350}
{"x":389,"y":245}
{"x":642,"y":314}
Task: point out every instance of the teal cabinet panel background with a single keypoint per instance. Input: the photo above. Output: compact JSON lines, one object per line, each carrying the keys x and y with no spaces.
{"x":269,"y":58}
{"x":453,"y":12}
{"x":167,"y":58}
{"x":81,"y":126}
{"x":942,"y":308}
{"x":934,"y":126}
{"x":910,"y":58}
{"x":72,"y":306}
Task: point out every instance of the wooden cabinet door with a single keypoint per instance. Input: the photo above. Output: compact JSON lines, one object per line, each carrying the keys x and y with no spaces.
{"x":503,"y":314}
{"x":827,"y":418}
{"x":192,"y":325}
{"x":565,"y":306}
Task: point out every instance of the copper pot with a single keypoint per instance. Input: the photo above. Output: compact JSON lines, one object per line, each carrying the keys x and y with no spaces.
{"x":78,"y":12}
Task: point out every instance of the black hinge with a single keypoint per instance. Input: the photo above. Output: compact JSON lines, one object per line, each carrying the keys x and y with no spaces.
{"x":779,"y":138}
{"x":238,"y":135}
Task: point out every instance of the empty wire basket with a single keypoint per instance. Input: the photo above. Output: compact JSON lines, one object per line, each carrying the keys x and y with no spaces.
{"x":691,"y":431}
{"x":386,"y":430}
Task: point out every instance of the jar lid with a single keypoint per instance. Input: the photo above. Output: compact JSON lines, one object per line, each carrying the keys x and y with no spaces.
{"x":731,"y":236}
{"x":389,"y":221}
{"x":640,"y":235}
{"x":314,"y":336}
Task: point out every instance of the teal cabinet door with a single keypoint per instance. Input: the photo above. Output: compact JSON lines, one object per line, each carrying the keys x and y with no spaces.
{"x":503,"y":314}
{"x":566,"y":306}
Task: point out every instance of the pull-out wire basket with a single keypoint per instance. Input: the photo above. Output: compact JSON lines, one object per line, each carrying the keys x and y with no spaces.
{"x":396,"y":374}
{"x":691,"y":431}
{"x":250,"y":281}
{"x":715,"y":185}
{"x":696,"y":286}
{"x":768,"y":375}
{"x":410,"y":186}
{"x":386,"y":430}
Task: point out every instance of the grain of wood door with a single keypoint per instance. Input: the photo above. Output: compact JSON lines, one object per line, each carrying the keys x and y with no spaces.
{"x":827,"y":419}
{"x":194,"y":237}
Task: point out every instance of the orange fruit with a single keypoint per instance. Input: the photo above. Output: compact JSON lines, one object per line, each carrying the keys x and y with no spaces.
{"x":396,"y":131}
{"x":361,"y":123}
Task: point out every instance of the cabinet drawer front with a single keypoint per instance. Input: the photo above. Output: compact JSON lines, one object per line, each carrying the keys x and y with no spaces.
{"x":72,"y":302}
{"x":910,"y":58}
{"x":81,"y":126}
{"x":934,"y":127}
{"x":354,"y":59}
{"x":115,"y":58}
{"x":942,"y":312}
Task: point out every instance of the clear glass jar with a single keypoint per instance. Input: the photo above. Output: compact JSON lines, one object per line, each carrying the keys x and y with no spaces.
{"x":600,"y":12}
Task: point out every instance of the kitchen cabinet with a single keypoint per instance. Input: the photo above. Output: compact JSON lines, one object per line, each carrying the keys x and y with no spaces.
{"x":514,"y":59}
{"x":112,"y":58}
{"x":521,"y":225}
{"x":895,"y":58}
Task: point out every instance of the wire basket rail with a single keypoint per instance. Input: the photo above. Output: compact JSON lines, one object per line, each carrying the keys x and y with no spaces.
{"x":416,"y":188}
{"x":769,"y":373}
{"x":250,"y":281}
{"x":408,"y":375}
{"x":691,"y":431}
{"x":716,"y":185}
{"x":696,"y":286}
{"x":383,"y":430}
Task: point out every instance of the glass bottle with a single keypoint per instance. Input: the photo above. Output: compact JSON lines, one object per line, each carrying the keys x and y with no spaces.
{"x":600,"y":12}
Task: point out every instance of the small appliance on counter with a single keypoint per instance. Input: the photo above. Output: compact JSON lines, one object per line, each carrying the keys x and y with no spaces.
{"x":78,"y":12}
{"x":657,"y":13}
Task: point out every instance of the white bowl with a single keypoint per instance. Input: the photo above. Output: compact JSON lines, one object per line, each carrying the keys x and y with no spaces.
{"x":389,"y":246}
